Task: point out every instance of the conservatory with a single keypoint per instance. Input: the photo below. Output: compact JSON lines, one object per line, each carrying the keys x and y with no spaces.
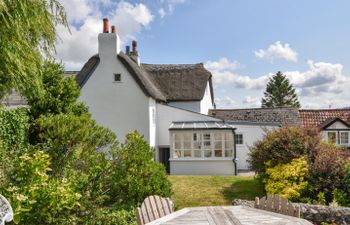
{"x":202,"y":148}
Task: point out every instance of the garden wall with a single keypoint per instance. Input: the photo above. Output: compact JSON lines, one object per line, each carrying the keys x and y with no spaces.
{"x":314,"y":213}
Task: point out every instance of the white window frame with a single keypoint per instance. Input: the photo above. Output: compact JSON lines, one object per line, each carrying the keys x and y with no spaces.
{"x":237,"y":138}
{"x":340,"y":138}
{"x":200,"y":134}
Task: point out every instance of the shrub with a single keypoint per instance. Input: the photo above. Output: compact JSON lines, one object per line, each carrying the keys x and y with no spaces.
{"x":281,"y":146}
{"x":326,"y":170}
{"x":14,"y":128}
{"x":67,"y":138}
{"x":58,"y":94}
{"x":36,"y":197}
{"x":342,"y":195}
{"x":288,"y":180}
{"x":112,"y":216}
{"x":137,"y":175}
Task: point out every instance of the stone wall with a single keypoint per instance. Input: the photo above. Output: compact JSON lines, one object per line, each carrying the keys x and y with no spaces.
{"x":315,"y":213}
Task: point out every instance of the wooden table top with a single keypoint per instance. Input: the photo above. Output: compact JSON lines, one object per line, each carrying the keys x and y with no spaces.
{"x":227,"y":215}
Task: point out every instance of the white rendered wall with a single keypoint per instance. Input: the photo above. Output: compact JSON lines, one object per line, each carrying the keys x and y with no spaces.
{"x":251,"y":134}
{"x":206,"y":102}
{"x":152,"y":111}
{"x":202,"y":167}
{"x":337,"y":125}
{"x":120,"y":106}
{"x":194,"y":106}
{"x":168,"y":114}
{"x":202,"y":106}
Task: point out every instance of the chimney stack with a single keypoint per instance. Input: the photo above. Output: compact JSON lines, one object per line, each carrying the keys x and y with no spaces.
{"x":134,"y":47}
{"x":105,"y":25}
{"x":127,"y":49}
{"x":108,"y":43}
{"x":113,"y":29}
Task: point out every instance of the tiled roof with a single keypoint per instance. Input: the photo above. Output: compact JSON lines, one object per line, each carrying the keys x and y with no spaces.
{"x":263,"y":115}
{"x":316,"y":117}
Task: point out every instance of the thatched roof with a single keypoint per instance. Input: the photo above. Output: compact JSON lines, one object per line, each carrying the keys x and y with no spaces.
{"x":163,"y":82}
{"x":180,"y":82}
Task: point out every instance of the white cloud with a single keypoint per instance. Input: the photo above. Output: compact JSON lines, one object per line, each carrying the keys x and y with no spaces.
{"x":277,"y":51}
{"x":225,"y":102}
{"x":74,"y":49}
{"x":321,"y":85}
{"x":252,"y":101}
{"x":318,"y":74}
{"x":223,"y":73}
{"x":167,"y":7}
{"x":162,"y":12}
{"x":222,"y":64}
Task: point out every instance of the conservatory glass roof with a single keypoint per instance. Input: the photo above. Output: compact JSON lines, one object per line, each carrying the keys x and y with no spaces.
{"x":200,"y":125}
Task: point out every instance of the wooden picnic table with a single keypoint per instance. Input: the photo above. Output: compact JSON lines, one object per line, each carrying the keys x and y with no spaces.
{"x":227,"y":215}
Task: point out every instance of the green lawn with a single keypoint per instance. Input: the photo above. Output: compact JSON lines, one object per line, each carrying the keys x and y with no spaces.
{"x":191,"y":191}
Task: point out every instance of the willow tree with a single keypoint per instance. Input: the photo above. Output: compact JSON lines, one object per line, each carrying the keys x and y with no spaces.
{"x":280,"y":93}
{"x":27,"y":36}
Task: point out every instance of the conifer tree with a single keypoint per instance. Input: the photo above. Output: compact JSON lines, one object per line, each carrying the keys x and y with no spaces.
{"x":279,"y":93}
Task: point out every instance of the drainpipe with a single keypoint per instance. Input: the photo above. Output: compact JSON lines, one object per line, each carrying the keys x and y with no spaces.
{"x":234,"y":160}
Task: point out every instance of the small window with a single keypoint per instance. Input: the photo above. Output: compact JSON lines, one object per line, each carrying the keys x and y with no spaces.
{"x":332,"y":137}
{"x":239,"y":139}
{"x":344,"y":138}
{"x":117,"y":77}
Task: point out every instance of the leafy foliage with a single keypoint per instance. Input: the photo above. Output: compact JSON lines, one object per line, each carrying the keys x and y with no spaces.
{"x":281,"y":146}
{"x":59,"y":94}
{"x":342,"y":195}
{"x":277,"y":150}
{"x":279,"y":93}
{"x":68,"y":138}
{"x":288,"y":180}
{"x":14,"y":128}
{"x":137,"y":174}
{"x":27,"y":32}
{"x":36,"y":197}
{"x":326,"y":170}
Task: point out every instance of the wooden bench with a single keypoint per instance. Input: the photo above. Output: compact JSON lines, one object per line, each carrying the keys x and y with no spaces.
{"x":152,"y":208}
{"x":275,"y":203}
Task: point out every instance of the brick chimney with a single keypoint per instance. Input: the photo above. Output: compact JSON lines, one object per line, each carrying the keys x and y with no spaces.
{"x":108,"y":43}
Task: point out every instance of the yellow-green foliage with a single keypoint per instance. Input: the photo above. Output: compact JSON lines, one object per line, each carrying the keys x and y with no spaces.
{"x":288,"y":180}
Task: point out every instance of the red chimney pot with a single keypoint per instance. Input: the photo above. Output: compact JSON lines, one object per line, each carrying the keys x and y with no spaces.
{"x":113,"y":29}
{"x":105,"y":25}
{"x":134,"y":46}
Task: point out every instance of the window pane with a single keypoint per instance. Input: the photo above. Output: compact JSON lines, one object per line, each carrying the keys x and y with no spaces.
{"x":344,"y":138}
{"x":177,"y":137}
{"x":177,"y":145}
{"x":206,"y":141}
{"x":332,"y":137}
{"x":228,"y":153}
{"x":187,"y":145}
{"x":197,"y":153}
{"x":207,"y":153}
{"x":177,"y":154}
{"x":218,"y":145}
{"x":196,"y":145}
{"x":187,"y":153}
{"x":239,"y":139}
{"x":228,"y":136}
{"x":228,"y":144}
{"x":218,"y":153}
{"x":217,"y":136}
{"x":187,"y":137}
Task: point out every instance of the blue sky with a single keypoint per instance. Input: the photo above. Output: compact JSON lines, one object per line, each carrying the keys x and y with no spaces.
{"x":241,"y":42}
